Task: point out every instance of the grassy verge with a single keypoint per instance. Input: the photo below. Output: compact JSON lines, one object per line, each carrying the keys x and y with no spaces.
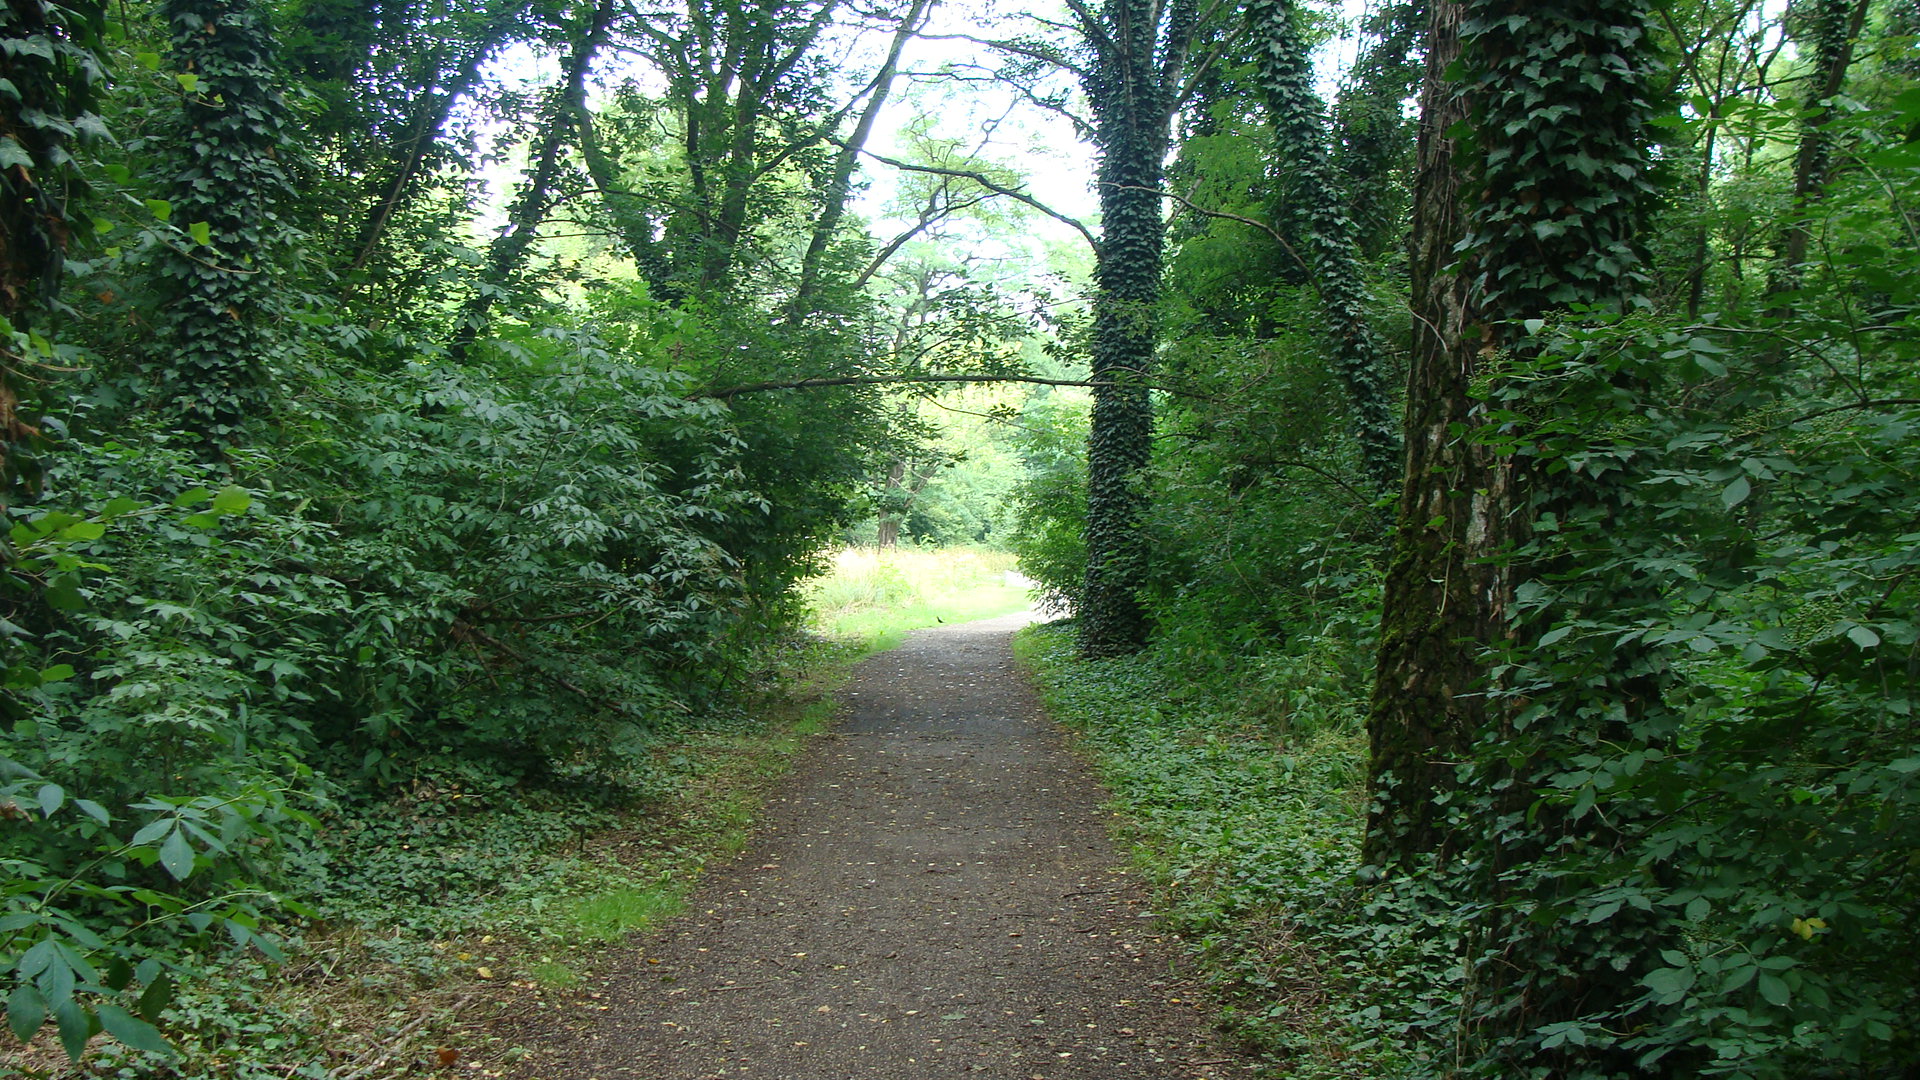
{"x":1250,"y":829}
{"x":876,"y":597}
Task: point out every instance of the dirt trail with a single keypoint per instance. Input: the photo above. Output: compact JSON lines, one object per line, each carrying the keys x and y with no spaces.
{"x":931,"y":894}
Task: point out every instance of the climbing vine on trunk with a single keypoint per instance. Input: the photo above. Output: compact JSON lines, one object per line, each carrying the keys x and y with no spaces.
{"x":1300,"y":136}
{"x":226,"y":216}
{"x":1140,"y":51}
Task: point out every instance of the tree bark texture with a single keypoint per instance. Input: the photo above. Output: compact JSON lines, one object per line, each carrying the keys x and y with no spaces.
{"x":1444,"y":601}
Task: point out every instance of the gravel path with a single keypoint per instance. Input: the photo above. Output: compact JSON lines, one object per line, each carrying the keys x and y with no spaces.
{"x":931,"y":894}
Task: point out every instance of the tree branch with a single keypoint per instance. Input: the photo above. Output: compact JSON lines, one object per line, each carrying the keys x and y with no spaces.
{"x":1198,"y":209}
{"x":988,"y":183}
{"x":731,"y":392}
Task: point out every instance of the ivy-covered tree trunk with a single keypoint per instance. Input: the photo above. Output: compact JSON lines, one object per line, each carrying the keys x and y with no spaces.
{"x":1300,"y":134}
{"x":1140,"y":50}
{"x":49,"y":62}
{"x":228,"y":205}
{"x":1569,"y":925}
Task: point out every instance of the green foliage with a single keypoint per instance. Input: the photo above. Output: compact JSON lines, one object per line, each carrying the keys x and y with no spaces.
{"x":1049,"y":514}
{"x":232,"y":182}
{"x":1560,"y":105}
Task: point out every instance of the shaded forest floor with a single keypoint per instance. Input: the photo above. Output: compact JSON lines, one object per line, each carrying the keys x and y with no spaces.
{"x":931,"y":892}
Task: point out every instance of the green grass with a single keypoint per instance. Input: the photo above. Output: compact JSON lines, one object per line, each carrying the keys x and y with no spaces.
{"x":615,"y":913}
{"x":877,"y":597}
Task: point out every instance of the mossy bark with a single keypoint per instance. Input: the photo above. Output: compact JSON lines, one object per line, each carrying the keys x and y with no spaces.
{"x":1443,"y":600}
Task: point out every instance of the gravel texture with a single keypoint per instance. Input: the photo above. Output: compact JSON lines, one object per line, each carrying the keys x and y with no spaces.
{"x":932,"y":893}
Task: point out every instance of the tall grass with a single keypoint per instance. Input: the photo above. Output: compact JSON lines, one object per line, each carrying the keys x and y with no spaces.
{"x":876,"y":596}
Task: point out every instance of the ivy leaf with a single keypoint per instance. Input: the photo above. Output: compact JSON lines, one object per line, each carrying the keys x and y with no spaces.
{"x":201,"y":232}
{"x":148,"y":60}
{"x":159,"y":208}
{"x":188,"y":81}
{"x":13,"y":155}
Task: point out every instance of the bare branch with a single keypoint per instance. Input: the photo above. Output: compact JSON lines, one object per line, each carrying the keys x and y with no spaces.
{"x":1261,"y":225}
{"x":1015,"y":48}
{"x":991,"y":185}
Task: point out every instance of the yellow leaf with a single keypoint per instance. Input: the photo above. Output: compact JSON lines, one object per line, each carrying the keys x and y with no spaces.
{"x":485,"y":973}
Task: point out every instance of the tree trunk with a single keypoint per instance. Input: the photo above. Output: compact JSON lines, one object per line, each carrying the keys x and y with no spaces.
{"x":1444,"y":602}
{"x":50,"y":62}
{"x":529,"y":211}
{"x":431,"y":111}
{"x":1833,"y":27}
{"x":1300,"y":131}
{"x":840,"y":186}
{"x":1141,"y":51}
{"x":1559,"y":98}
{"x":631,"y":221}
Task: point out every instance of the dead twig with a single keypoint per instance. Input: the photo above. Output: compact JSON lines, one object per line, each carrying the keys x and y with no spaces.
{"x":393,"y":1044}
